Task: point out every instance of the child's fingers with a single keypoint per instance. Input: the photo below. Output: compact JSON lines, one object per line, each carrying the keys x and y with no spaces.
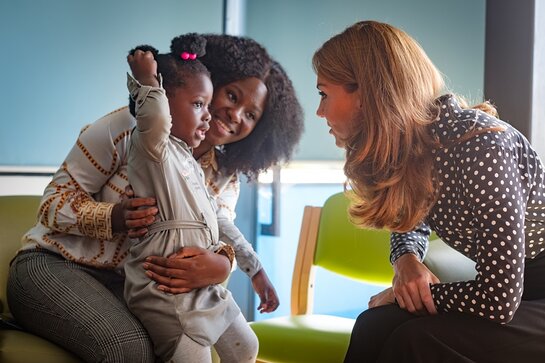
{"x":139,"y":54}
{"x":272,"y":306}
{"x":268,"y":305}
{"x":143,"y":54}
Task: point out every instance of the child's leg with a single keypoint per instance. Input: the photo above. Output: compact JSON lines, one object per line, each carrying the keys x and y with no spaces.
{"x":189,"y":351}
{"x":238,"y":344}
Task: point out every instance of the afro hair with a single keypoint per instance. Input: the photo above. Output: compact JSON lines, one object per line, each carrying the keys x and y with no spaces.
{"x":229,"y":59}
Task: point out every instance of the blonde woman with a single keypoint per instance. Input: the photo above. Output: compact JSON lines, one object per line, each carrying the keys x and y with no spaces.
{"x":417,"y":160}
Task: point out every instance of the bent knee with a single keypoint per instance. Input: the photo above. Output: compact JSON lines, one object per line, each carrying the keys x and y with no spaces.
{"x":131,"y":348}
{"x":248,"y":349}
{"x":239,"y":350}
{"x":371,"y":318}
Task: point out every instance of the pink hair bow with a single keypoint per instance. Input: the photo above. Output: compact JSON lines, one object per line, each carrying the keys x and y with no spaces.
{"x":188,"y":56}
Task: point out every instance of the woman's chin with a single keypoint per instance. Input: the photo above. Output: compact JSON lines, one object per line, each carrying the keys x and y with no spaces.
{"x":340,"y":143}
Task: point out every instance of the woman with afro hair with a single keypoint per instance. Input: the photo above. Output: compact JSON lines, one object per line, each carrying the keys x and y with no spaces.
{"x":278,"y":129}
{"x":66,"y":282}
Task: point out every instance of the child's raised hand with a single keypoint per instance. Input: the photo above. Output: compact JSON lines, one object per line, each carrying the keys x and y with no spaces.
{"x":143,"y":67}
{"x":265,"y":290}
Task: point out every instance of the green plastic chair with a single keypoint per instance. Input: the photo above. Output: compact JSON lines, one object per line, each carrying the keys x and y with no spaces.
{"x":329,"y":240}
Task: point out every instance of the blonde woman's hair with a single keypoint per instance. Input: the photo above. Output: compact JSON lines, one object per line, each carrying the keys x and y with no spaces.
{"x":389,"y":163}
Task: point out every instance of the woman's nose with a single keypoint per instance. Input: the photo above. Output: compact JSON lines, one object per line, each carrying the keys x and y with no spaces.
{"x":320,"y":111}
{"x":235,"y":115}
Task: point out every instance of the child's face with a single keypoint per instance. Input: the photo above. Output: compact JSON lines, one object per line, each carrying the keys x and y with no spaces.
{"x":189,"y":109}
{"x":236,"y":109}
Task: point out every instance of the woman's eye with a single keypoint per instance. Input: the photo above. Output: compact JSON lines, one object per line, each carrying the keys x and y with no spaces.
{"x":232,"y":97}
{"x":322,"y":94}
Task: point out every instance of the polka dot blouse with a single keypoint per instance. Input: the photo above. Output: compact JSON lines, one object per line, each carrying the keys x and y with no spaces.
{"x":490,"y":207}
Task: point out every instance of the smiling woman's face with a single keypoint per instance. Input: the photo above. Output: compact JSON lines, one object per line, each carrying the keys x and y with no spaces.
{"x":339,"y":107}
{"x":236,"y":109}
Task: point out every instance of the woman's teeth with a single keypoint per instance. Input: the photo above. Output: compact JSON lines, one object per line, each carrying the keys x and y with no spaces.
{"x":224,"y":126}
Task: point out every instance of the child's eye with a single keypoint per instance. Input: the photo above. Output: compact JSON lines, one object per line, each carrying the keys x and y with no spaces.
{"x":251,"y":116}
{"x":198,"y":105}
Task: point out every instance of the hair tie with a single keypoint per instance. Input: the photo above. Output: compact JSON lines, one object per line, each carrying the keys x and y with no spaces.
{"x":188,"y":56}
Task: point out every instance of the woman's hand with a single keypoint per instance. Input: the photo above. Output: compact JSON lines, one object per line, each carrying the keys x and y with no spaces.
{"x":384,"y":297}
{"x":189,"y":268}
{"x":265,"y":290}
{"x":411,"y":285}
{"x":133,"y":215}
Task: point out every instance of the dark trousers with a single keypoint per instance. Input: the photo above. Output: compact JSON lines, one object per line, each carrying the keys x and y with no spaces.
{"x":77,"y":307}
{"x":391,"y":334}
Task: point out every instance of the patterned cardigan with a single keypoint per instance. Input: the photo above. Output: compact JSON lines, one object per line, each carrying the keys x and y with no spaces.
{"x":74,"y":218}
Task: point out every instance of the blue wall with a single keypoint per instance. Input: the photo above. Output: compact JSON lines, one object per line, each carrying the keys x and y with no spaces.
{"x":451,"y":32}
{"x":64,"y":61}
{"x":63,"y":64}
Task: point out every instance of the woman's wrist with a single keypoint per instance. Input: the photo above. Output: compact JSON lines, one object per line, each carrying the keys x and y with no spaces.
{"x":227,"y":251}
{"x":407,"y":258}
{"x":95,"y":219}
{"x":117,"y":220}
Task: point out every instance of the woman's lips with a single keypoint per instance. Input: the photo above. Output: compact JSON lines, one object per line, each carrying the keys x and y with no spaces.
{"x":223,"y":126}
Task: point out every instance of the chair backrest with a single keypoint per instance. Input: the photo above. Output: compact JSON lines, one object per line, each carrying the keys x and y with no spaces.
{"x":343,"y":248}
{"x":17,"y":215}
{"x":448,"y":264}
{"x":328,"y":239}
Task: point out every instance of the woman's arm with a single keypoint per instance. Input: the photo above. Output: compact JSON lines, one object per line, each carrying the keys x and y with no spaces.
{"x":414,"y":242}
{"x":411,"y":283}
{"x":70,"y":203}
{"x":495,"y":185}
{"x":227,"y":198}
